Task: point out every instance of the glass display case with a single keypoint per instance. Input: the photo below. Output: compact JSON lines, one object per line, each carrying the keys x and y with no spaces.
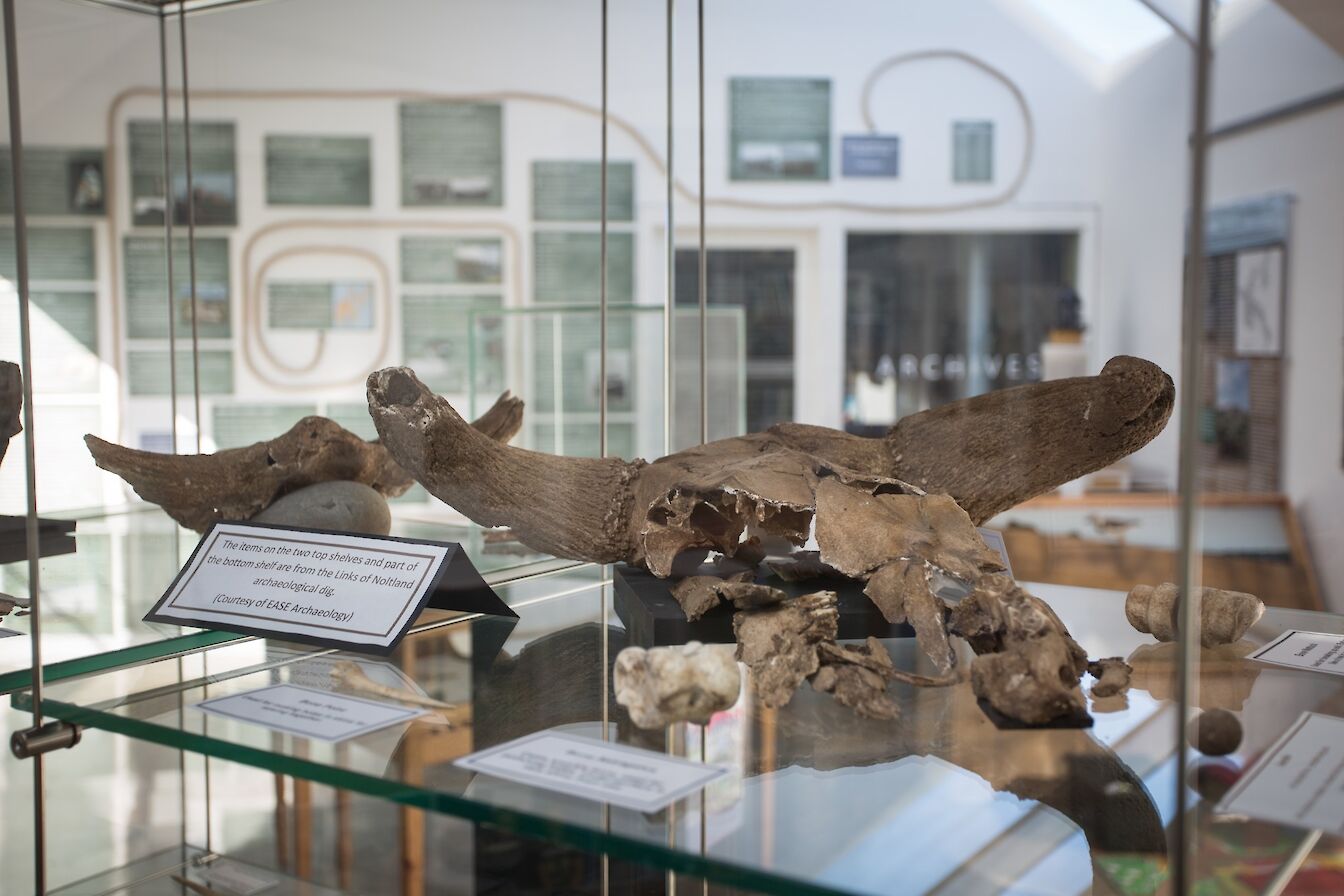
{"x":905,"y":441}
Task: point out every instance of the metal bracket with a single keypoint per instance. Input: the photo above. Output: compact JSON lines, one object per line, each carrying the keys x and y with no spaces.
{"x":55,"y":735}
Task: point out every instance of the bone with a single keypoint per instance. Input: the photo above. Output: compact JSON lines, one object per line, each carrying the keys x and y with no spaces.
{"x":1027,"y":666}
{"x":800,"y":566}
{"x":11,"y":403}
{"x":999,"y":449}
{"x":857,"y":677}
{"x":988,"y":453}
{"x":1224,"y":616}
{"x":860,"y":532}
{"x":1112,"y":676}
{"x":896,"y":542}
{"x":576,"y":508}
{"x":197,"y":490}
{"x":779,"y":644}
{"x":697,"y":595}
{"x":683,"y":683}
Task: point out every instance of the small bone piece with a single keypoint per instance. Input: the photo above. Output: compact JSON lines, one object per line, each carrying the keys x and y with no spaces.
{"x":1224,"y":616}
{"x":1215,"y":732}
{"x":700,"y":594}
{"x":1112,"y":676}
{"x":800,"y":566}
{"x":779,"y":643}
{"x":1027,"y":666}
{"x":11,"y":403}
{"x":683,"y":683}
{"x":857,"y":676}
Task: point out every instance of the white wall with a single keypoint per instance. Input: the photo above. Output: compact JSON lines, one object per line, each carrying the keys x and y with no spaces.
{"x":1263,"y":59}
{"x":1109,"y":151}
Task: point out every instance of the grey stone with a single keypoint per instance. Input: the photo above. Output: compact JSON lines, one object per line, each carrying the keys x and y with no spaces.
{"x":342,"y":506}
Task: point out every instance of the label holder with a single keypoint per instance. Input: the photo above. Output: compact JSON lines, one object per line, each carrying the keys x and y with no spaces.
{"x":456,"y":586}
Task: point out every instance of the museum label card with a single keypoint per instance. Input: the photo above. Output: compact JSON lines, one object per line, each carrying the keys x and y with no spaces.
{"x":1315,"y":651}
{"x":308,"y":712}
{"x":360,"y":592}
{"x":594,"y":770}
{"x":1298,"y":780}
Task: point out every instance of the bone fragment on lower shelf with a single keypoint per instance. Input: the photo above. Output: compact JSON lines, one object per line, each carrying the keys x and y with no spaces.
{"x":682,"y":683}
{"x":1112,"y":676}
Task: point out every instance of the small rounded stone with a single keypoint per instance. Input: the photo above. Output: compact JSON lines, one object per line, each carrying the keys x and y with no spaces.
{"x":1216,"y":732}
{"x":340,"y":506}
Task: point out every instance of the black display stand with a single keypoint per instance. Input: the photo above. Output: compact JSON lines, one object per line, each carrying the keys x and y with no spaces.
{"x":54,"y":537}
{"x":653,"y":618}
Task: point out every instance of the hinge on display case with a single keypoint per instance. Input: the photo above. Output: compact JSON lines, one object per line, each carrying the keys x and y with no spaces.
{"x":54,"y":735}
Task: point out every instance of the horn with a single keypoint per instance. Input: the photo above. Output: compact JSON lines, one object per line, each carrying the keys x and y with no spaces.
{"x":572,"y":507}
{"x":238,"y":483}
{"x":1001,"y":448}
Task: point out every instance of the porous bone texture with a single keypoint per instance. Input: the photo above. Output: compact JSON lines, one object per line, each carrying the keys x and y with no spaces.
{"x":238,"y":483}
{"x":683,"y":683}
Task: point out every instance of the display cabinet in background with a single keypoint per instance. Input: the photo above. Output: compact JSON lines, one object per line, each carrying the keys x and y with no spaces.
{"x":903,"y":241}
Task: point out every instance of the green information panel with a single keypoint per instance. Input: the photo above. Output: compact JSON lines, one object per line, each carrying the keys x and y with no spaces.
{"x":972,"y":151}
{"x":147,"y":372}
{"x":213,"y":171}
{"x":572,"y":191}
{"x":436,"y":338}
{"x":57,"y":180}
{"x":146,"y":287}
{"x":449,"y":259}
{"x":237,"y":425}
{"x":54,"y":253}
{"x":311,"y":305}
{"x":779,"y":128}
{"x":566,"y":267}
{"x":452,"y":154}
{"x":317,"y":170}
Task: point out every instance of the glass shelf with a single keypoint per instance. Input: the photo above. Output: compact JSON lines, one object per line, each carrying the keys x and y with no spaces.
{"x":163,"y":873}
{"x":817,"y":800}
{"x":95,"y":598}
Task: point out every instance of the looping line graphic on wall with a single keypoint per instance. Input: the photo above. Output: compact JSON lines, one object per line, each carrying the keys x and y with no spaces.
{"x":253,"y":329}
{"x":1028,"y":126}
{"x":254,"y":316}
{"x":643,"y":144}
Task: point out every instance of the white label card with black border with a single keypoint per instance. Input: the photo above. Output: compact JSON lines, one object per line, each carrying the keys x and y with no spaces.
{"x":1296,"y":781}
{"x":360,"y":592}
{"x":308,"y":712}
{"x":595,"y":770}
{"x":1312,"y":651}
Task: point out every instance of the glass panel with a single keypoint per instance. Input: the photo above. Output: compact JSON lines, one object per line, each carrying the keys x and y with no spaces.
{"x":814,"y":798}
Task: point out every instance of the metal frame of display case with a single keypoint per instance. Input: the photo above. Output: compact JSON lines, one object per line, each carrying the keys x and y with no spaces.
{"x":44,"y":735}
